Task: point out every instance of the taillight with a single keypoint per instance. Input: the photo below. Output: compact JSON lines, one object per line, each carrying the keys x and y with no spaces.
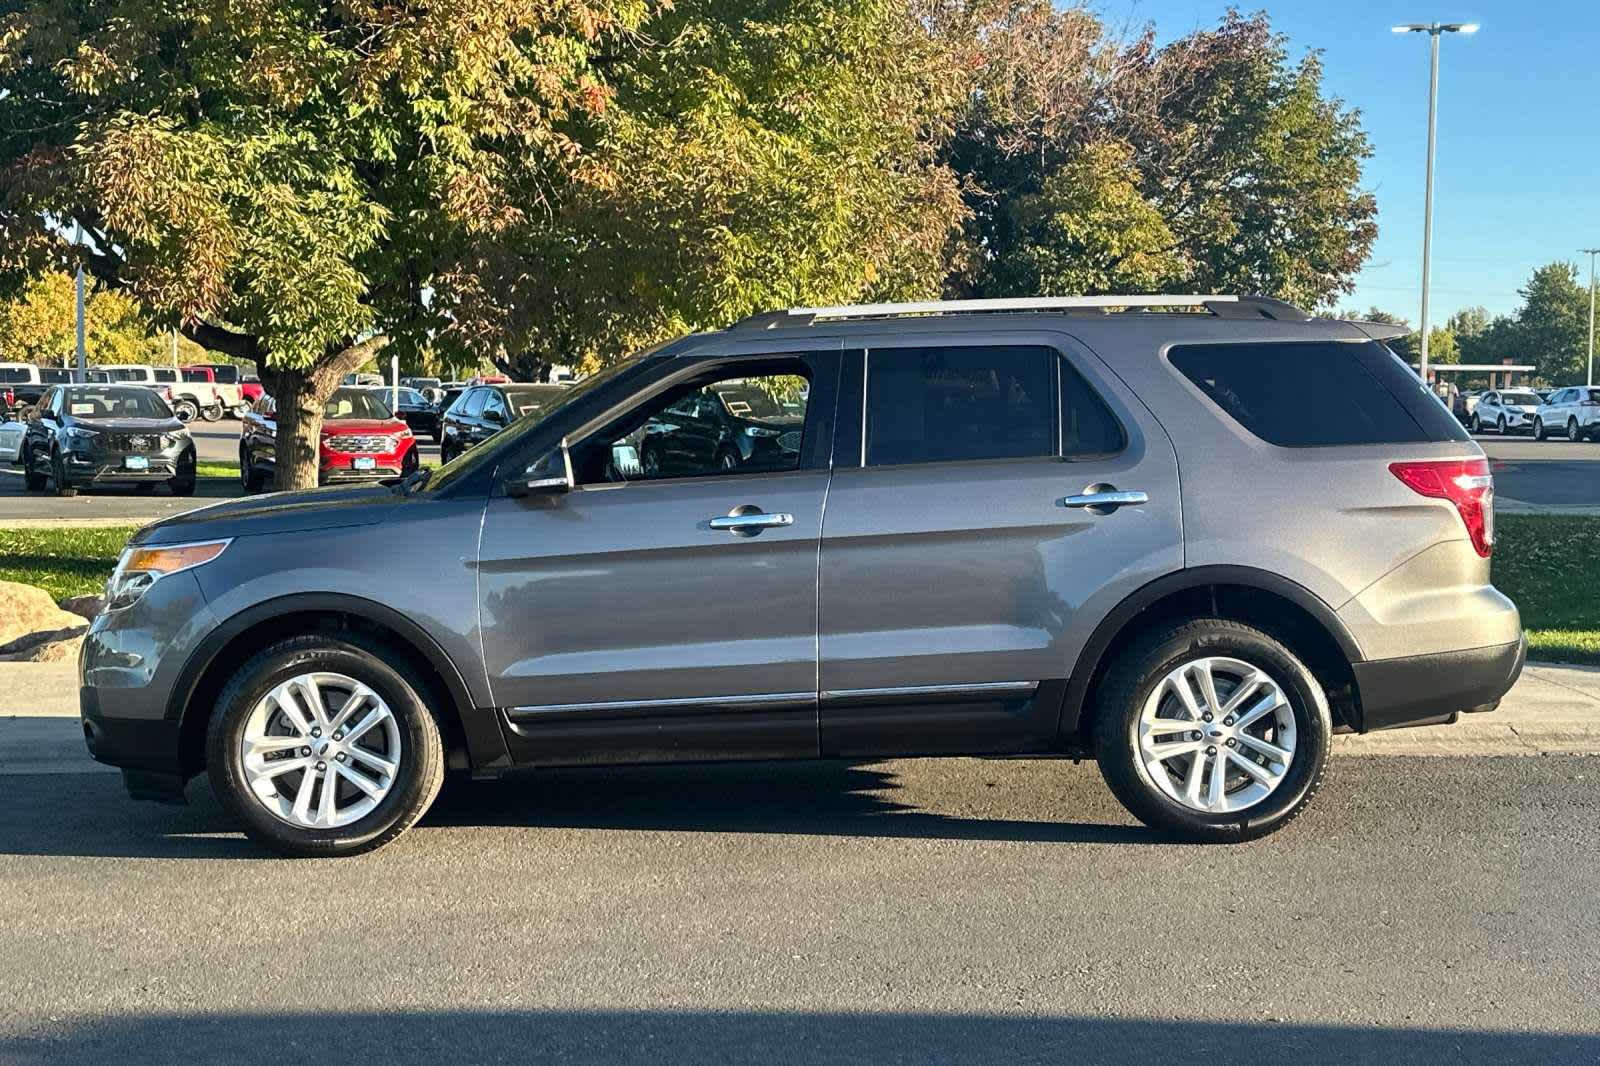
{"x":11,"y":398}
{"x":1466,"y":483}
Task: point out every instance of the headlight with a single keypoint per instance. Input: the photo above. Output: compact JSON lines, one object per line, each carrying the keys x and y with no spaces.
{"x":80,"y":433}
{"x":141,"y":567}
{"x":761,"y":431}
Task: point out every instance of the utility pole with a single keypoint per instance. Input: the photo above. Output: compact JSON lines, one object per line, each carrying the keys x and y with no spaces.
{"x":1434,"y":30}
{"x":1591,"y":253}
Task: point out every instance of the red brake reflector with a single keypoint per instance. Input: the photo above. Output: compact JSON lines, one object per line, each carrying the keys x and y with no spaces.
{"x":1467,"y":483}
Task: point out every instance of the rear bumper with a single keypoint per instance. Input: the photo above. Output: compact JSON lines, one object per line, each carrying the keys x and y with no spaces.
{"x":1422,"y":689}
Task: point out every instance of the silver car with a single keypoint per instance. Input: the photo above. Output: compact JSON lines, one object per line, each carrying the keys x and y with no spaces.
{"x":1105,"y":526}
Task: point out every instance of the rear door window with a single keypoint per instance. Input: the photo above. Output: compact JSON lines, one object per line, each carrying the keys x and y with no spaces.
{"x":933,"y":405}
{"x":1318,"y":393}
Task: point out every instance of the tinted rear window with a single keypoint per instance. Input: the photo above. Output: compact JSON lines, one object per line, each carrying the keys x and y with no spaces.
{"x":15,"y":375}
{"x":1318,"y":394}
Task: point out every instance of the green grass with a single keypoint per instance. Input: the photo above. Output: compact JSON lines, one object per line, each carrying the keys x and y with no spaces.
{"x":72,"y":561}
{"x":225,"y":469}
{"x":1546,"y":564}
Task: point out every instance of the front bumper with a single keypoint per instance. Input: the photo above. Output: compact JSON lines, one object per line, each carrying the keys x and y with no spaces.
{"x":103,"y":469}
{"x":1425,"y":689}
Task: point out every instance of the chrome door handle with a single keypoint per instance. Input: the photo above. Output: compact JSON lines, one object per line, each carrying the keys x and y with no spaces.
{"x":750,"y":522}
{"x":1106,"y":498}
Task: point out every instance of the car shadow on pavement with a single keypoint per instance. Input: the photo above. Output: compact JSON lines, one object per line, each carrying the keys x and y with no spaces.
{"x":91,"y":815}
{"x":657,"y":1037}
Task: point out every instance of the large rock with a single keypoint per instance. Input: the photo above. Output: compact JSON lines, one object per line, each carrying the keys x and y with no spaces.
{"x":88,"y":606}
{"x":25,"y":610}
{"x":57,"y":646}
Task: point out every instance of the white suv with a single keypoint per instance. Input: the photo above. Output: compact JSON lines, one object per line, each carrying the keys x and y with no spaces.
{"x":1573,"y":412}
{"x":1505,"y":411}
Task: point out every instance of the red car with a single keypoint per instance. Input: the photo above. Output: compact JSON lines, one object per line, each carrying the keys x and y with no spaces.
{"x":361,"y":440}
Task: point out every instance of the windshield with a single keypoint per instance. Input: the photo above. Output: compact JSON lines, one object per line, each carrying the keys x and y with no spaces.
{"x":1519,"y":398}
{"x":471,"y":460}
{"x":354,"y":403}
{"x":115,"y":403}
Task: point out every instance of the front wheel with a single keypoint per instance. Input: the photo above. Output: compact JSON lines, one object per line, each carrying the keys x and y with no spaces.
{"x":1477,"y":424}
{"x":1574,"y":434}
{"x":1212,"y":731}
{"x":1500,"y":425}
{"x":240,"y":410}
{"x":322,"y":745}
{"x":58,"y":472}
{"x":183,"y":484}
{"x":1538,"y":429}
{"x":32,"y":480}
{"x":186,"y":410}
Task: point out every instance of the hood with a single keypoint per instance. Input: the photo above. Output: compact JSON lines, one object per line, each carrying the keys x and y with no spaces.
{"x":275,"y":512}
{"x":340,"y":427}
{"x":127,"y":425}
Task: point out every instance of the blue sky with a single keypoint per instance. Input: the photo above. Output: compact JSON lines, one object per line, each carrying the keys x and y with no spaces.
{"x":1519,"y":133}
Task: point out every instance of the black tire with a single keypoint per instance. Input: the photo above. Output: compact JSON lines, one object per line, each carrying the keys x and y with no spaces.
{"x":249,"y":475}
{"x":32,"y":480}
{"x":1477,"y":423}
{"x":1574,"y":434}
{"x":446,"y":452}
{"x":1143,"y":666}
{"x":185,"y":410}
{"x":213,"y":413}
{"x":58,"y":473}
{"x":1538,"y":429}
{"x":183,"y":483}
{"x":1500,"y":425}
{"x":375,"y":663}
{"x":728,"y":459}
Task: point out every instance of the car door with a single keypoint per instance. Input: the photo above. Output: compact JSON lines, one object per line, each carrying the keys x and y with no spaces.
{"x":1488,"y":410}
{"x":972,"y":543}
{"x":674,"y":616}
{"x":261,"y":434}
{"x":39,"y":436}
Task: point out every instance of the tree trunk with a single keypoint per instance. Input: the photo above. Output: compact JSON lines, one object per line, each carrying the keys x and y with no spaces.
{"x":300,"y":396}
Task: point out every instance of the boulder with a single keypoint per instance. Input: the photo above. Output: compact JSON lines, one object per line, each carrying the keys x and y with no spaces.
{"x":25,"y":610}
{"x":58,"y":646}
{"x":87,"y":606}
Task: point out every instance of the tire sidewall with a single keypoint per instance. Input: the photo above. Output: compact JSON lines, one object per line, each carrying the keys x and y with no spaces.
{"x":420,"y":746}
{"x":1118,"y":742}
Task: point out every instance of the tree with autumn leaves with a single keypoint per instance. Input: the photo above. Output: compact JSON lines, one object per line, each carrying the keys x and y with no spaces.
{"x":518,"y":182}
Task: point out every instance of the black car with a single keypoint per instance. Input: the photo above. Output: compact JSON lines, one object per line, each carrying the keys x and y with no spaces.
{"x":106,"y":435}
{"x":484,"y":410}
{"x":420,"y":414}
{"x":727,"y":427}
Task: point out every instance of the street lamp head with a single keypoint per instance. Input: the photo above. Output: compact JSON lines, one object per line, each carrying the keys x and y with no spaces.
{"x":1435,"y":28}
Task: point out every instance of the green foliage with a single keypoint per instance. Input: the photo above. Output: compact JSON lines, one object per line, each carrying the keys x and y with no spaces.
{"x":38,"y":325}
{"x":1549,"y":330}
{"x":1230,"y":146}
{"x":69,"y":561}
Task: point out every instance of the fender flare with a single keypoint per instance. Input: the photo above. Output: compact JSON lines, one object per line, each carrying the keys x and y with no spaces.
{"x":1115,"y":621}
{"x":486,"y":746}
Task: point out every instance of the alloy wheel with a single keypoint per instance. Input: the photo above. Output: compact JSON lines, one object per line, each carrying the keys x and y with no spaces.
{"x":1216,"y":735}
{"x":1572,"y":430}
{"x":321,"y":750}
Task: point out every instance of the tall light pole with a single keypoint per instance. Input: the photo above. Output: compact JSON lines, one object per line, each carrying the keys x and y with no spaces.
{"x":1591,"y":253}
{"x":1434,"y":30}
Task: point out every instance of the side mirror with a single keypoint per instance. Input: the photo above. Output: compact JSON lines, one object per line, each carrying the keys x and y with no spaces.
{"x":550,"y":474}
{"x":496,"y":417}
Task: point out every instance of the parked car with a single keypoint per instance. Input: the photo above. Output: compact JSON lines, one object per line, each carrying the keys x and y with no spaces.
{"x":1505,"y":411}
{"x":481,"y":411}
{"x":432,"y":388}
{"x":106,"y":435}
{"x":730,"y":425}
{"x":361,"y":441}
{"x":250,"y":389}
{"x":15,"y":379}
{"x":209,"y":388}
{"x":418,"y":411}
{"x":12,"y":435}
{"x":363,"y":379}
{"x":1573,"y":412}
{"x":1008,"y":564}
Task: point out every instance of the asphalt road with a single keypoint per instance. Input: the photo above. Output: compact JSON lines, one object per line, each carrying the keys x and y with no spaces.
{"x":1423,"y":911}
{"x":1549,"y":473}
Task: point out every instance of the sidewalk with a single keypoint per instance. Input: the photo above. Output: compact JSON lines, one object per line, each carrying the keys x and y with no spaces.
{"x":1552,"y":710}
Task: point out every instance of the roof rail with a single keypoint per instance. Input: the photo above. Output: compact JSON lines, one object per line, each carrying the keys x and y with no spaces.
{"x":1248,"y":307}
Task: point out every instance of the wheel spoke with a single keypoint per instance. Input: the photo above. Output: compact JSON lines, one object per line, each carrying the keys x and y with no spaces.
{"x":261,"y":745}
{"x":1267,"y":748}
{"x":1163,"y":752}
{"x":361,"y":781}
{"x":1208,"y":686}
{"x":1247,"y":687}
{"x":354,"y":702}
{"x":377,"y":762}
{"x":1254,"y":769}
{"x":279,"y":767}
{"x":1191,"y":780}
{"x":312,"y":694}
{"x":284,"y":697}
{"x":327,"y":806}
{"x":1219,"y":778}
{"x":1160,"y":727}
{"x":1267,"y":704}
{"x":302,"y":798}
{"x":361,"y":728}
{"x":1186,"y":694}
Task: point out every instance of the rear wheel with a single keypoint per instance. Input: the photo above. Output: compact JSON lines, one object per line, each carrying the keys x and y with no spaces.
{"x":322,"y":745}
{"x":183,"y":483}
{"x":212,"y":413}
{"x":1212,"y":731}
{"x":1477,"y":423}
{"x":240,"y":410}
{"x":186,"y":410}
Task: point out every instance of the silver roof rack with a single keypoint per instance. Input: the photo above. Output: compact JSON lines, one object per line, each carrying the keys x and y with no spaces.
{"x":1248,"y":307}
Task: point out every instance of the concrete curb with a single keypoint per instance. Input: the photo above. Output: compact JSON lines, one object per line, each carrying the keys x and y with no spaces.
{"x":1553,"y":710}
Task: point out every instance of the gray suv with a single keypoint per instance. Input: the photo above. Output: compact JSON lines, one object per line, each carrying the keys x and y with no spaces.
{"x":1193,"y":536}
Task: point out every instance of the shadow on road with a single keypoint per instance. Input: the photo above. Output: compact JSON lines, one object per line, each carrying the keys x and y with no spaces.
{"x":657,"y":1037}
{"x":90,"y":815}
